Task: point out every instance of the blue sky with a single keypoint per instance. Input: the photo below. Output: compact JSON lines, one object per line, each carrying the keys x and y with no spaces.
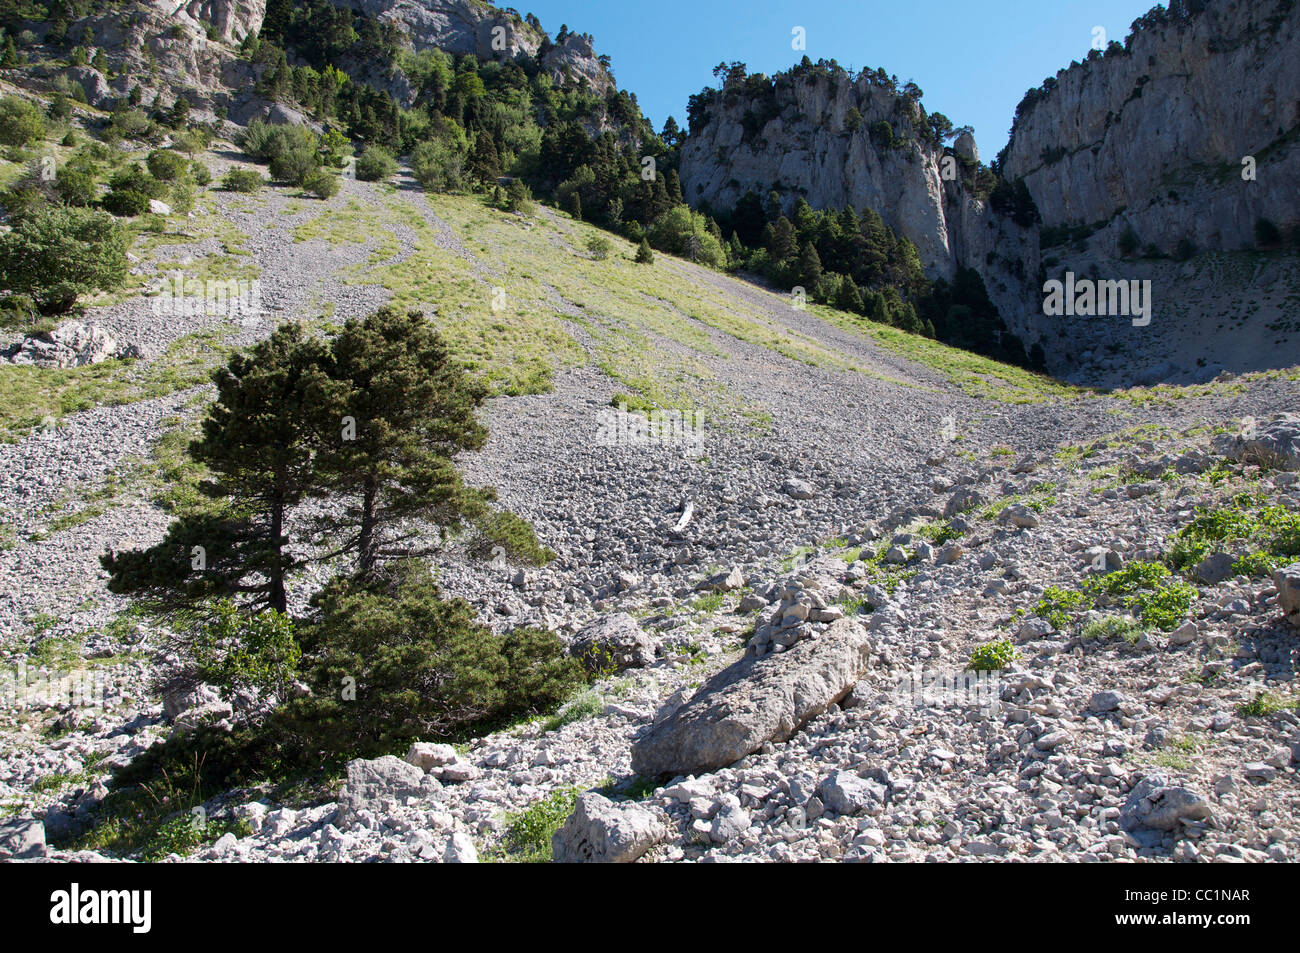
{"x":973,"y":60}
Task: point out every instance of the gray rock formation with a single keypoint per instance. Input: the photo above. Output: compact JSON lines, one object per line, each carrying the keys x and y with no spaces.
{"x":72,"y":344}
{"x":22,"y":839}
{"x":799,"y":139}
{"x":1287,"y":580}
{"x":1274,"y":444}
{"x":1156,"y":804}
{"x":1153,"y":137}
{"x":373,"y":784}
{"x":754,"y":701}
{"x":616,"y":641}
{"x":600,"y":831}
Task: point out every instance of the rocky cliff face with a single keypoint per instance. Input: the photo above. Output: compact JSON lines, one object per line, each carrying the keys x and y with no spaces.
{"x":470,"y":26}
{"x":169,"y":49}
{"x":802,"y":138}
{"x":1153,"y":137}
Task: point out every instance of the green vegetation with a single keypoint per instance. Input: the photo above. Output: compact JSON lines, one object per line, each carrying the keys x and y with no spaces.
{"x":1112,"y":627}
{"x":375,"y":164}
{"x":1265,"y":704}
{"x":55,"y":255}
{"x":246,"y":652}
{"x":373,"y":420}
{"x":35,"y":396}
{"x":243,"y":180}
{"x":992,"y":656}
{"x":528,"y":833}
{"x":21,"y":122}
{"x":1258,"y":534}
{"x":586,"y":705}
{"x":1058,"y":606}
{"x":1147,"y":591}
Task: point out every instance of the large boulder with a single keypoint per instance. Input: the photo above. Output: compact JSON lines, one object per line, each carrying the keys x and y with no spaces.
{"x":616,"y":641}
{"x":600,"y":831}
{"x":72,"y":344}
{"x":847,"y":793}
{"x":1157,"y":805}
{"x":22,"y":839}
{"x":376,"y":785}
{"x":1274,"y":444}
{"x":754,"y":701}
{"x":1287,"y":580}
{"x":964,"y":145}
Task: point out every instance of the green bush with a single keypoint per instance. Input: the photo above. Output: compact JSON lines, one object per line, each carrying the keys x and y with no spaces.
{"x":519,"y":198}
{"x":126,"y":203}
{"x":130,"y":123}
{"x":528,"y":833}
{"x":239,"y":651}
{"x":182,"y":197}
{"x":135,"y":179}
{"x":295,"y":165}
{"x":683,"y":232}
{"x":265,"y":141}
{"x":165,"y":166}
{"x":76,"y":185}
{"x":438,"y":165}
{"x":1057,"y":606}
{"x":423,"y":667}
{"x":60,"y":253}
{"x":242,"y":180}
{"x":21,"y":122}
{"x":321,"y":183}
{"x":200,"y":174}
{"x":513,"y":535}
{"x":1164,"y":607}
{"x":599,"y":248}
{"x":992,"y":656}
{"x":376,"y":164}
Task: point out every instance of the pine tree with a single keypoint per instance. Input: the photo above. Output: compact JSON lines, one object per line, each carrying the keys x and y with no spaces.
{"x":257,"y":442}
{"x":412,"y":410}
{"x":784,"y":240}
{"x":673,"y":186}
{"x":810,"y":266}
{"x":573,"y":205}
{"x":644,"y":254}
{"x":484,"y":161}
{"x":848,"y":298}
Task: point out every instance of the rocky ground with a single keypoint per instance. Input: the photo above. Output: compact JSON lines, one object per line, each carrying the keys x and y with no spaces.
{"x":853,"y":540}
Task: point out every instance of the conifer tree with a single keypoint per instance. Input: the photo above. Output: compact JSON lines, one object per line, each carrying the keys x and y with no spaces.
{"x":258,"y":442}
{"x":810,"y":266}
{"x":410,"y":410}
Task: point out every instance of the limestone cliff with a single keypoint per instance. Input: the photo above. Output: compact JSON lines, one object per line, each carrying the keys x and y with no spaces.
{"x":838,"y":140}
{"x":1153,"y":135}
{"x":169,"y":48}
{"x":489,"y":32}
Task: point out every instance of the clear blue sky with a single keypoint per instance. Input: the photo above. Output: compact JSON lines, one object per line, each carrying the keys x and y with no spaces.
{"x":974,"y":60}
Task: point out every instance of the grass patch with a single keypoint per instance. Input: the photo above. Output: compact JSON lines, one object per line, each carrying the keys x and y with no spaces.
{"x":586,"y":705}
{"x":34,"y":396}
{"x":1113,"y":627}
{"x":527,"y":836}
